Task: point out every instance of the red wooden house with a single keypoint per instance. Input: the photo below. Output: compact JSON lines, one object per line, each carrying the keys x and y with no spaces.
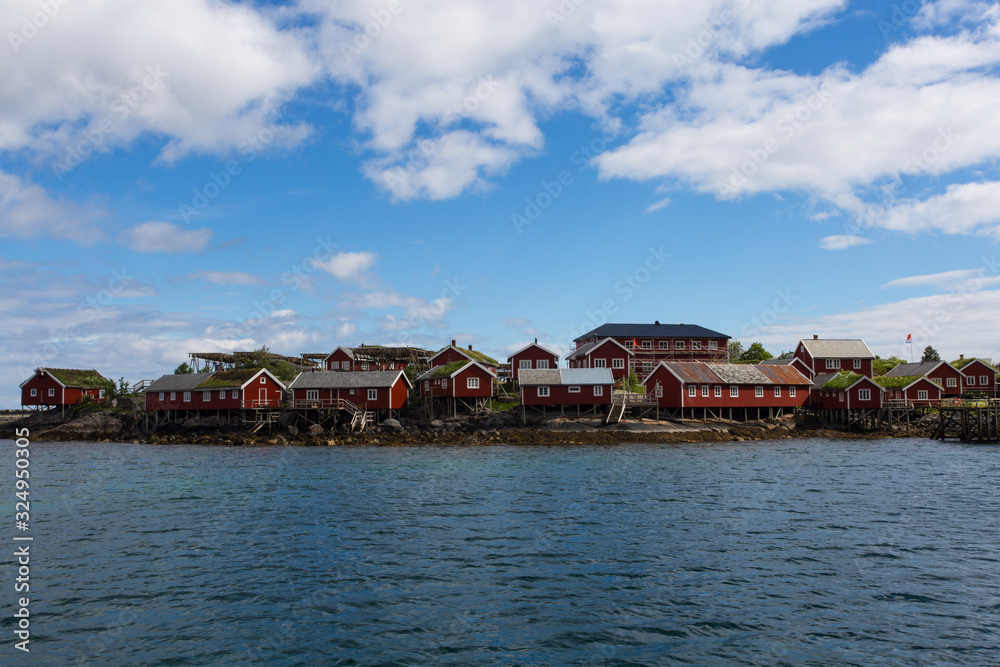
{"x":830,"y":355}
{"x":846,"y":391}
{"x":726,"y":390}
{"x":532,"y":357}
{"x":464,"y":382}
{"x":943,"y":374}
{"x":979,"y":376}
{"x":62,"y":386}
{"x":567,"y":386}
{"x":369,"y":390}
{"x":605,"y":353}
{"x":341,"y":359}
{"x":223,"y":390}
{"x":653,"y":343}
{"x":453,"y":353}
{"x":914,"y":391}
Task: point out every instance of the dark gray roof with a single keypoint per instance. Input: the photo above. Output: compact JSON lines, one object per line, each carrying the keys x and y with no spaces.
{"x":822,"y":379}
{"x":345,"y":379}
{"x":913,"y":370}
{"x":185,"y":382}
{"x":583,"y":350}
{"x":565,"y":376}
{"x":783,"y":361}
{"x":652,"y":331}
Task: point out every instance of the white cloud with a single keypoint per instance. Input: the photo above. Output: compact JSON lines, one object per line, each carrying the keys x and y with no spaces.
{"x":227,"y":278}
{"x":349,"y":267}
{"x":842,"y":242}
{"x":658,"y":205}
{"x":963,"y":279}
{"x":167,"y":237}
{"x":27,"y":211}
{"x":968,"y":208}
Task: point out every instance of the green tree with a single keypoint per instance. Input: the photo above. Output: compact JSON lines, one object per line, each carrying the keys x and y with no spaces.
{"x":882,"y":366}
{"x":284,"y":371}
{"x":735,"y":350}
{"x":930,"y":354}
{"x":756,"y":353}
{"x":183,"y":369}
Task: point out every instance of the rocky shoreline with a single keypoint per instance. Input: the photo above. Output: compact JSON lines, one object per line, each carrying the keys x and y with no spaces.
{"x":497,"y":428}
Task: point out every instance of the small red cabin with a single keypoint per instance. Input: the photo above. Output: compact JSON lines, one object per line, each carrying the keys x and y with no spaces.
{"x":342,"y":359}
{"x":453,"y":353}
{"x":532,"y":357}
{"x":978,"y":375}
{"x":223,"y":390}
{"x":832,"y":355}
{"x":62,"y":386}
{"x":605,"y":353}
{"x":945,"y":375}
{"x":914,"y":391}
{"x":846,"y":391}
{"x":369,"y":390}
{"x":566,"y":386}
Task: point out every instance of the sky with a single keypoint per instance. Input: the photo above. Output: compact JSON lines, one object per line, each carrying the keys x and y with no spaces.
{"x":200,"y":176}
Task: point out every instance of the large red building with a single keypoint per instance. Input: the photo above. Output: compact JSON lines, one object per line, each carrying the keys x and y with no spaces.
{"x":532,"y":357}
{"x":223,"y":390}
{"x":52,"y":387}
{"x":979,"y":376}
{"x":653,"y":343}
{"x":604,"y":353}
{"x":943,"y":374}
{"x":832,"y":355}
{"x":369,"y":390}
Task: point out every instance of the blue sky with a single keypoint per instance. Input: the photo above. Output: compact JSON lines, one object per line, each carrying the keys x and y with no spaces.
{"x":208,"y":176}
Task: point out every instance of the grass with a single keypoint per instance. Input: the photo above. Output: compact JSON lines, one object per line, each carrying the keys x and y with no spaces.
{"x":843,"y":380}
{"x":225,"y":379}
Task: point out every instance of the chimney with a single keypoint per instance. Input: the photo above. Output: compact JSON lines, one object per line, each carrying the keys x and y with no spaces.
{"x":656,"y":323}
{"x":453,"y":342}
{"x":470,"y":347}
{"x":536,"y":341}
{"x":815,"y":337}
{"x":961,"y":356}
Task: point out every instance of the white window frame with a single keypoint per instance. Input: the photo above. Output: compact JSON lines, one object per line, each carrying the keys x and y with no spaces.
{"x":840,"y":396}
{"x":647,"y":344}
{"x":162,"y":395}
{"x":679,"y":345}
{"x":984,"y":380}
{"x":791,"y":392}
{"x":832,"y":364}
{"x":207,"y":396}
{"x":600,"y":363}
{"x":52,"y":392}
{"x":543,"y":392}
{"x":524,"y":364}
{"x":618,"y":363}
{"x":629,"y":345}
{"x":647,"y":366}
{"x":263,"y":379}
{"x":34,"y":392}
{"x":718,"y":391}
{"x":187,"y":396}
{"x":777,"y":392}
{"x":704,"y":391}
{"x":312,"y":394}
{"x":574,"y":389}
{"x":664,"y":344}
{"x":598,"y":390}
{"x":864,"y":394}
{"x":734,"y":391}
{"x":236,"y":393}
{"x":696,"y":345}
{"x":173,"y":396}
{"x":222,"y":394}
{"x":758,"y":392}
{"x":922,"y":395}
{"x":345,"y":365}
{"x":373,"y":394}
{"x":951,"y":382}
{"x":472,"y":383}
{"x":444,"y":383}
{"x":692,"y":391}
{"x":857,"y":364}
{"x":713,"y":345}
{"x":542,"y":364}
{"x":427,"y":385}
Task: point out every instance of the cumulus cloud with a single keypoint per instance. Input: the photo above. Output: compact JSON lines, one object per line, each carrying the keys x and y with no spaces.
{"x":27,"y":211}
{"x":351,"y":267}
{"x":166,"y":237}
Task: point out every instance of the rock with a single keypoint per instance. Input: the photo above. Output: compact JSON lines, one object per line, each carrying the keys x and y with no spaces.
{"x":286,"y":418}
{"x":437,"y":423}
{"x":316,"y":429}
{"x":293,"y":430}
{"x":392,"y":426}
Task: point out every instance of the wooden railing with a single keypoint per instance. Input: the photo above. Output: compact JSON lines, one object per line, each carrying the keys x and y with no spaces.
{"x":326,"y":404}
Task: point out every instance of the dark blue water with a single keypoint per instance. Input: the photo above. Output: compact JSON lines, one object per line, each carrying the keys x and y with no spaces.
{"x":787,"y":553}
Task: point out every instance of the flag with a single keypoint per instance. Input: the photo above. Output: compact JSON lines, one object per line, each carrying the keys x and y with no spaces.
{"x":909,"y":338}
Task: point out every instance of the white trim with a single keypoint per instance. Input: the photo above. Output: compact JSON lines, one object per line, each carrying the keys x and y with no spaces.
{"x":530,"y":345}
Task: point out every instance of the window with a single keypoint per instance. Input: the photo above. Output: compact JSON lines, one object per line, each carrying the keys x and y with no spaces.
{"x":312,"y":394}
{"x":758,"y":392}
{"x":352,"y":392}
{"x":629,"y":344}
{"x":263,"y":380}
{"x":524,"y":364}
{"x":864,"y":394}
{"x":472,"y":383}
{"x":34,"y":392}
{"x":647,"y":345}
{"x":162,"y":395}
{"x":647,"y":366}
{"x":679,"y":345}
{"x":984,"y":380}
{"x":696,"y":345}
{"x":734,"y":392}
{"x":659,"y":391}
{"x":543,"y":392}
{"x":921,"y":394}
{"x":598,"y":390}
{"x":857,"y":364}
{"x":373,"y":394}
{"x":100,"y":394}
{"x":173,"y":396}
{"x":542,"y":364}
{"x":664,"y":344}
{"x":187,"y":396}
{"x":832,"y":364}
{"x":840,"y":396}
{"x":713,"y":345}
{"x":704,"y":391}
{"x":236,"y":393}
{"x":427,"y":385}
{"x":444,"y":383}
{"x":346,"y":365}
{"x":574,"y":390}
{"x":692,"y":391}
{"x":206,"y":396}
{"x":951,"y":382}
{"x":791,"y":392}
{"x":777,"y":392}
{"x":364,"y":365}
{"x":600,"y":363}
{"x":52,"y":392}
{"x":718,"y":391}
{"x":617,"y":363}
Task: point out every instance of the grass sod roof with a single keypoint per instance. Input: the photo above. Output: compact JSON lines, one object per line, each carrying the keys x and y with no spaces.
{"x":962,"y":363}
{"x":446,"y":370}
{"x":896,"y":382}
{"x":842,"y":381}
{"x":72,"y":377}
{"x":226,"y":379}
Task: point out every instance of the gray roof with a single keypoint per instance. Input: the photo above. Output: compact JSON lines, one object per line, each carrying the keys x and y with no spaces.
{"x":739,"y":374}
{"x":822,"y":379}
{"x":652,"y":330}
{"x":345,"y":379}
{"x":566,"y":376}
{"x":583,"y":350}
{"x":837,"y":348}
{"x":538,"y":345}
{"x":913,"y":370}
{"x":779,"y":361}
{"x":184,"y":382}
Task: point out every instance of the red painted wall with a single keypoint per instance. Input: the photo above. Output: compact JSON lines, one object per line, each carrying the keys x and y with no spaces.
{"x":533,"y":354}
{"x":560,"y":395}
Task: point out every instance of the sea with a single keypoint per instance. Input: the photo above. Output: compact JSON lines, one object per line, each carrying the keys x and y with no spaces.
{"x":789,"y":552}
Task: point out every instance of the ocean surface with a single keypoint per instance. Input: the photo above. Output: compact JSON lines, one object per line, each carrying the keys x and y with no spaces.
{"x":810,"y":552}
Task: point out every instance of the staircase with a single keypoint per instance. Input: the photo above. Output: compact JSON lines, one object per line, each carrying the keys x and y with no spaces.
{"x":616,"y":413}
